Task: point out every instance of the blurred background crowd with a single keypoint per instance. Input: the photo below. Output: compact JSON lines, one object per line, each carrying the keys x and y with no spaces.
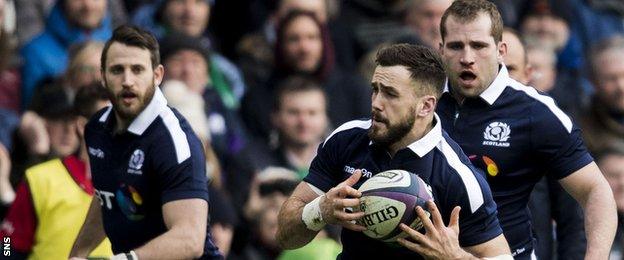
{"x":263,"y":82}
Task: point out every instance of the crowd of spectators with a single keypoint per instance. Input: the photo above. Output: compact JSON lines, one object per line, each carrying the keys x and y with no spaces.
{"x":263,"y":82}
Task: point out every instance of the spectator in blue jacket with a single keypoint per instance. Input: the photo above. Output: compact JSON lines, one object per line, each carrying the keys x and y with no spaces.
{"x":70,"y":22}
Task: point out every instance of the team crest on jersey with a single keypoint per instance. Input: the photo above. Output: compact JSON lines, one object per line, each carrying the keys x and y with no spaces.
{"x":497,"y":134}
{"x":136,"y":162}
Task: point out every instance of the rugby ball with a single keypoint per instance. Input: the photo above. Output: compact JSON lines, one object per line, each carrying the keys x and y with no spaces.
{"x":390,"y":198}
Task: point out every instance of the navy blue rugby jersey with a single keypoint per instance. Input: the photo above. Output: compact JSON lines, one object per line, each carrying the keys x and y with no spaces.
{"x":515,"y":135}
{"x":435,"y":158}
{"x":157,"y":160}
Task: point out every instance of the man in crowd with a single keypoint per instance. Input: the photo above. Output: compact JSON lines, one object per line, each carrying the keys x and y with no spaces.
{"x":300,"y":121}
{"x":603,"y":122}
{"x":423,"y":17}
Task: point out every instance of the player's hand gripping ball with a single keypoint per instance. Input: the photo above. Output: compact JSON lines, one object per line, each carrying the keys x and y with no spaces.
{"x":388,"y":199}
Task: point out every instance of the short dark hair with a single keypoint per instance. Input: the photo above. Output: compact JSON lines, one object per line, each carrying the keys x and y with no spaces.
{"x":85,"y":102}
{"x":51,"y":102}
{"x":469,"y":10}
{"x":136,"y":37}
{"x":175,"y":42}
{"x":424,"y":64}
{"x":294,"y":84}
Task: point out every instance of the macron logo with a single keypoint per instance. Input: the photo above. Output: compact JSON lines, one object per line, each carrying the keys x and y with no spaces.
{"x":351,"y":170}
{"x":96,"y":152}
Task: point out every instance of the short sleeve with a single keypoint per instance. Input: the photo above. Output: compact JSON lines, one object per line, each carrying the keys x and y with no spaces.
{"x":475,"y":227}
{"x":184,"y":180}
{"x":558,"y":144}
{"x":325,"y":166}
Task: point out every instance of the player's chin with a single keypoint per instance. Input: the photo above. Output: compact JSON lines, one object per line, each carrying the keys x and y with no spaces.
{"x":377,"y":136}
{"x":128,"y":111}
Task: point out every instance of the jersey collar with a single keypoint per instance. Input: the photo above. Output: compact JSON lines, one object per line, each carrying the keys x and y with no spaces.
{"x":147,"y":116}
{"x":492,"y":92}
{"x":425,"y":144}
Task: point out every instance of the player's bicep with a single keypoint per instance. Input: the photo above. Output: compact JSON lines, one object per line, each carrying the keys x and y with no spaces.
{"x":186,"y":213}
{"x":580,"y":183}
{"x":494,"y":247}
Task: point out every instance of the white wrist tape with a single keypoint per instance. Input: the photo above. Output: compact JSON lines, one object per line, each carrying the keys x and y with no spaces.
{"x":500,"y":257}
{"x":312,"y":217}
{"x":125,"y":256}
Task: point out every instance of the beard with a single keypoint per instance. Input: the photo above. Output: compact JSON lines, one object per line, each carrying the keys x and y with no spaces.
{"x":130,"y":113}
{"x":394,"y":132}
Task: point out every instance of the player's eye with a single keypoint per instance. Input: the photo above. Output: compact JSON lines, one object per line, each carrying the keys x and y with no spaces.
{"x":137,"y":69}
{"x":116,"y":70}
{"x":479,"y":46}
{"x":455,"y":46}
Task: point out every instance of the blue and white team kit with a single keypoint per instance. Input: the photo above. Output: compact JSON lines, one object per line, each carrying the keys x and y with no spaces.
{"x":435,"y":158}
{"x":515,"y":135}
{"x":157,"y":160}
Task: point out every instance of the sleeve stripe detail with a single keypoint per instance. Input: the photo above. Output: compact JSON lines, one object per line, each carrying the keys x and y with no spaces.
{"x":180,"y":142}
{"x":546,"y":100}
{"x":475,"y":194}
{"x":364,"y":124}
{"x":316,"y":190}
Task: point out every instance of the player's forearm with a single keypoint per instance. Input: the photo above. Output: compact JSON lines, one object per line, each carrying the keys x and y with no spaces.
{"x":177,"y":243}
{"x":92,"y":232}
{"x":292,"y":232}
{"x":600,"y":220}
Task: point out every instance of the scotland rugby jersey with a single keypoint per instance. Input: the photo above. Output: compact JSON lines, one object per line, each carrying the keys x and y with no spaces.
{"x":515,"y":135}
{"x":157,"y":160}
{"x":435,"y":158}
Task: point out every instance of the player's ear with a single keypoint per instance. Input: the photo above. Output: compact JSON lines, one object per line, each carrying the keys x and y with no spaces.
{"x":502,"y":51}
{"x":427,"y":105}
{"x":528,"y":71}
{"x":159,"y":73}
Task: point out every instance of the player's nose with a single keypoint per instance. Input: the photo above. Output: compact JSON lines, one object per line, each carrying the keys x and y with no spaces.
{"x":128,"y":79}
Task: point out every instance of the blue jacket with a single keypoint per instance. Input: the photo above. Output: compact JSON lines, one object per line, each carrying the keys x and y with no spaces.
{"x":46,"y":55}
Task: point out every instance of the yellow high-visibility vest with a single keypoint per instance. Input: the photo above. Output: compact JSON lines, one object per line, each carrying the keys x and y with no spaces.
{"x":61,"y":207}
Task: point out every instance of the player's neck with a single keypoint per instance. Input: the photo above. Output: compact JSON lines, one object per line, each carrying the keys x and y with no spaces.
{"x":421,"y":127}
{"x":121,"y":124}
{"x":456,"y":95}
